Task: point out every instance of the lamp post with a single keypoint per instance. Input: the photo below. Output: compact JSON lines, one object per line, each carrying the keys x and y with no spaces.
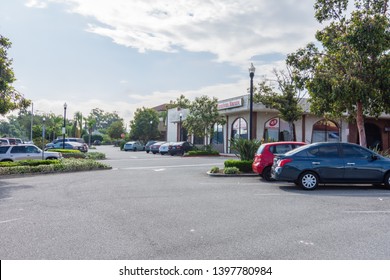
{"x":32,"y":120}
{"x":151,"y":129}
{"x":252,"y":70}
{"x":43,"y":138}
{"x":180,"y":130}
{"x":64,"y":127}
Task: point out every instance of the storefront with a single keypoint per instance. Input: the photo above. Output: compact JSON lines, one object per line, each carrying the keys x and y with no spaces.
{"x":268,"y":126}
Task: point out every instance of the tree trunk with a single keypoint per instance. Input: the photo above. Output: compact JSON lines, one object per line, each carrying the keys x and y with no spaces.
{"x":291,"y":134}
{"x":360,"y":124}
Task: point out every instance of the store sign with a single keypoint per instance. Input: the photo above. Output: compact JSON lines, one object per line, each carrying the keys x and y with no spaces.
{"x":272,"y":123}
{"x":230,"y":104}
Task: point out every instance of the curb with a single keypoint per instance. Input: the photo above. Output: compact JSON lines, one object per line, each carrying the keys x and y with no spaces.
{"x":232,"y":175}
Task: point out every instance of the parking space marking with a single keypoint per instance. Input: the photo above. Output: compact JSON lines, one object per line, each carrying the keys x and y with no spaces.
{"x":11,"y":220}
{"x":169,"y":166}
{"x":368,"y":211}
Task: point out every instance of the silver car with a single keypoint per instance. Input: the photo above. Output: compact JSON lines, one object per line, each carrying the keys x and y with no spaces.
{"x":25,"y":151}
{"x":133,"y":146}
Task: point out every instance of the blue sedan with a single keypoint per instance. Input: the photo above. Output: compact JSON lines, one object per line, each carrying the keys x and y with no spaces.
{"x":341,"y":163}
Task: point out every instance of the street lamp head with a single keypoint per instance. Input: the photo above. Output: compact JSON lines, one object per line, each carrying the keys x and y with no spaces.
{"x":65,"y":105}
{"x":180,"y":115}
{"x":252,"y":69}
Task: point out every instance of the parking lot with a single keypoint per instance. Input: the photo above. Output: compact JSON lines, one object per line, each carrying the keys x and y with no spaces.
{"x":163,"y":207}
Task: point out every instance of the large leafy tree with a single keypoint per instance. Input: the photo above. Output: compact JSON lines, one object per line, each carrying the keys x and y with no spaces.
{"x":10,"y":99}
{"x":351,"y":72}
{"x":203,"y":115}
{"x":116,"y":130}
{"x":144,"y":126}
{"x":284,"y":97}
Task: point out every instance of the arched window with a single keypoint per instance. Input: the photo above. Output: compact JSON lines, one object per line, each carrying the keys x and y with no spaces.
{"x":240,"y":129}
{"x":325,"y":131}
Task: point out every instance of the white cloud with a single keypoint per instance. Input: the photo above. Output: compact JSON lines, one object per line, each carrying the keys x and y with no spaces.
{"x":233,"y":30}
{"x":36,"y":4}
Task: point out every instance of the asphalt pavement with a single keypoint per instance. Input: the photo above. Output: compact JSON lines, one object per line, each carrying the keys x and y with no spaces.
{"x":163,"y":207}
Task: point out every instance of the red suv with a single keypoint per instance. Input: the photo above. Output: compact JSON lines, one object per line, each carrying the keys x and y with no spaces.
{"x":264,"y":156}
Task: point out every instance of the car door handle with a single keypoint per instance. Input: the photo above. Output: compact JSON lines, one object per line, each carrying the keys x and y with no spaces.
{"x":316,"y":163}
{"x":350,"y":163}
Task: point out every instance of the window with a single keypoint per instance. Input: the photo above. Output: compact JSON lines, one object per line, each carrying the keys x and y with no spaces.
{"x":276,"y":129}
{"x":32,"y":150}
{"x":355,"y":152}
{"x":3,"y":149}
{"x":325,"y":131}
{"x":18,"y":150}
{"x":239,"y":129}
{"x":327,"y":151}
{"x":218,"y":134}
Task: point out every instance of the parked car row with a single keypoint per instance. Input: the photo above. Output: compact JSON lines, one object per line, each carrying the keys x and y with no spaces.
{"x":160,"y":147}
{"x":70,"y":143}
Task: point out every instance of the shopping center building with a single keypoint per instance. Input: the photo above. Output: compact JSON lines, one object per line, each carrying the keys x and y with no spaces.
{"x":268,"y":126}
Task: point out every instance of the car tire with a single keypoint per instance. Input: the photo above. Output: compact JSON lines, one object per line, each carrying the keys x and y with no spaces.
{"x":135,"y":149}
{"x":267,"y":173}
{"x":308,"y":181}
{"x":387,"y":180}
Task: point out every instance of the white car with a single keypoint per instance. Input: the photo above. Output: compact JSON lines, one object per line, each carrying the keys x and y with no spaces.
{"x":25,"y":151}
{"x":133,"y":146}
{"x":164,"y":148}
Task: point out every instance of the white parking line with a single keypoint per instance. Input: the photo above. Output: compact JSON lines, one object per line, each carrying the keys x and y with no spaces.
{"x":369,"y":212}
{"x":7,"y":221}
{"x":169,"y":166}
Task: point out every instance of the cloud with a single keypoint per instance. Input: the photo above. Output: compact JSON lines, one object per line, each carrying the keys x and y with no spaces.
{"x":36,"y":4}
{"x":233,"y":30}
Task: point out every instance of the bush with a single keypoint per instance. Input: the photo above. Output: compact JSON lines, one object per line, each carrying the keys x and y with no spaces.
{"x":231,"y":170}
{"x":95,"y":155}
{"x":242,"y":165}
{"x":214,"y":169}
{"x":203,"y":153}
{"x":50,"y":166}
{"x":246,"y":148}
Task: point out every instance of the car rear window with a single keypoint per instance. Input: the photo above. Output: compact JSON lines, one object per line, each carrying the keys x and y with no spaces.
{"x":3,"y":149}
{"x":260,"y":149}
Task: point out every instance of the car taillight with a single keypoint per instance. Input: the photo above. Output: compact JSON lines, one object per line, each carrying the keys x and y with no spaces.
{"x":283,"y":162}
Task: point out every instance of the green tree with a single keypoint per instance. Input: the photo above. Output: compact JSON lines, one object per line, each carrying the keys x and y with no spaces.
{"x":203,"y":115}
{"x":181,"y":102}
{"x":116,"y":129}
{"x":351,"y":73}
{"x":286,"y":98}
{"x":10,"y":99}
{"x":144,"y":126}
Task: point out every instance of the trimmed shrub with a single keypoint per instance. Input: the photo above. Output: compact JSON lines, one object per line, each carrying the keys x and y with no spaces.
{"x":203,"y":153}
{"x":214,"y":169}
{"x":95,"y":155}
{"x":231,"y":170}
{"x":242,"y":165}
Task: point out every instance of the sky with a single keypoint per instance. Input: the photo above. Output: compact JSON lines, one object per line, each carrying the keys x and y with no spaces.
{"x":120,"y":55}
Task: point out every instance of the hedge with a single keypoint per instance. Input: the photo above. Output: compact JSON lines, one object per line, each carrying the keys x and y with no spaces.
{"x":242,"y":165}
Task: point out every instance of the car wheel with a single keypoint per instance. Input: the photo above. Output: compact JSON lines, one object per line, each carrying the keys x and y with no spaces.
{"x":308,"y":180}
{"x":147,"y":152}
{"x":387,"y":180}
{"x":135,"y":149}
{"x":267,"y":173}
